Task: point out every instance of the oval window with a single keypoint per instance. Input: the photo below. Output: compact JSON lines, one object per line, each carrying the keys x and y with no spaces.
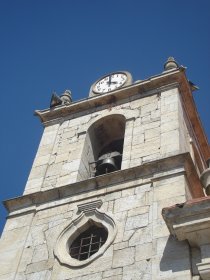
{"x":88,"y":242}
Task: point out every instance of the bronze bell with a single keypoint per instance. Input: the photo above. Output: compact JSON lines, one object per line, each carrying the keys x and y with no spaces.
{"x":108,"y":163}
{"x":106,"y":166}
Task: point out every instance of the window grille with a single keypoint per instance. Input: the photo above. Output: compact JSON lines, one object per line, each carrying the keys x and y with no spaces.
{"x":88,"y":242}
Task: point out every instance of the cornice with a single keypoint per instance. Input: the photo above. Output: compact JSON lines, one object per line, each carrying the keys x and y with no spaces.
{"x":138,"y":88}
{"x":109,"y":183}
{"x":172,"y":78}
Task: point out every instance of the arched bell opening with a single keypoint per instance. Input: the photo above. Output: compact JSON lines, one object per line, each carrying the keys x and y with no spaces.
{"x":107,"y":137}
{"x":103,"y":147}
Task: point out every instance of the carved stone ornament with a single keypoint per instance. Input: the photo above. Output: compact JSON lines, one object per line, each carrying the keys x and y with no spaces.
{"x":89,"y":215}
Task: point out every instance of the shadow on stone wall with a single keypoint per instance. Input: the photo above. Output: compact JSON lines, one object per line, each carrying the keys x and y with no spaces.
{"x":176,"y":257}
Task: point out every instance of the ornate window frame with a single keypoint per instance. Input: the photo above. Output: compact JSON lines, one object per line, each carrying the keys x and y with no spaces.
{"x":90,"y":214}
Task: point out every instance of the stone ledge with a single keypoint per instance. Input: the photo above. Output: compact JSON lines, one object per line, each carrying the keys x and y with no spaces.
{"x":156,"y":83}
{"x":184,"y":219}
{"x":109,"y":182}
{"x":191,"y":221}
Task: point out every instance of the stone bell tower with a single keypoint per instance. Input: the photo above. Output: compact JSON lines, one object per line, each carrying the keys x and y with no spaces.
{"x":98,"y":203}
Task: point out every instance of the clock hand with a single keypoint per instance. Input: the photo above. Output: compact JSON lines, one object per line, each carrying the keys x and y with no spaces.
{"x":110,"y":80}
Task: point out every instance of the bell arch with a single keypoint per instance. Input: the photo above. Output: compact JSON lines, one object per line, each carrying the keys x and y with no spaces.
{"x":103,"y":146}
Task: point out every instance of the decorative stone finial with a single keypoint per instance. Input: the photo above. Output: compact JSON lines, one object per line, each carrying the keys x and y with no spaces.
{"x":170,"y":64}
{"x":66,"y":97}
{"x":55,"y":100}
{"x":205,"y":178}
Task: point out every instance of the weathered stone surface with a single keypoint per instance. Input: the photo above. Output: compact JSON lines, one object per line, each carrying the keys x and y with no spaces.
{"x":112,"y":272}
{"x":139,"y":270}
{"x":39,"y":275}
{"x":140,"y":236}
{"x":123,"y":257}
{"x":138,"y":221}
{"x":155,"y":128}
{"x":115,"y":277}
{"x":144,"y":252}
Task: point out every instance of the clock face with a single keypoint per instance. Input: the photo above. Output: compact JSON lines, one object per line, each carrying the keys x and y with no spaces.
{"x":110,"y":82}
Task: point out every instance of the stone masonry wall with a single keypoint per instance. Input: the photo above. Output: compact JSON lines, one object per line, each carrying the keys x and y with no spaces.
{"x":153,"y":131}
{"x":142,"y":248}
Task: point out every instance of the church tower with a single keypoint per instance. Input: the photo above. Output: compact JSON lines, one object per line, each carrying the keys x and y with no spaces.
{"x":118,"y":189}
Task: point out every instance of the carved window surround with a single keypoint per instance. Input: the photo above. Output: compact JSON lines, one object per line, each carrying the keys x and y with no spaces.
{"x":89,"y":214}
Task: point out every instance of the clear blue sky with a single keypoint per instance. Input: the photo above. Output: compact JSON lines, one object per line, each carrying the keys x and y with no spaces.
{"x":68,"y":44}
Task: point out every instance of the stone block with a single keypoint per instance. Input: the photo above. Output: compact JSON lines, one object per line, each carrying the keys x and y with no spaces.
{"x":135,"y":162}
{"x":168,"y":93}
{"x":138,"y":211}
{"x":120,"y":245}
{"x":148,"y":126}
{"x":114,"y":277}
{"x":141,"y":236}
{"x":128,"y":192}
{"x":44,"y":150}
{"x":169,"y":201}
{"x":169,"y":125}
{"x":18,"y":221}
{"x":45,"y":275}
{"x":67,"y":179}
{"x":40,"y":266}
{"x":69,"y":167}
{"x":143,"y":188}
{"x":144,"y":252}
{"x":139,"y":271}
{"x":25,"y":259}
{"x":129,"y":202}
{"x":9,"y":261}
{"x":11,"y":276}
{"x":112,"y":272}
{"x":120,"y":219}
{"x":138,"y":139}
{"x":62,"y":157}
{"x":33,"y":185}
{"x":173,"y":189}
{"x":150,"y":147}
{"x":40,"y":253}
{"x":146,"y":119}
{"x":152,"y":133}
{"x":38,"y":172}
{"x":155,"y":115}
{"x":112,"y":196}
{"x":41,"y":160}
{"x":138,"y":221}
{"x":159,"y":228}
{"x":110,"y":206}
{"x":123,"y":257}
{"x":48,"y":138}
{"x":11,"y":246}
{"x":154,"y":156}
{"x":95,"y":276}
{"x":146,"y":109}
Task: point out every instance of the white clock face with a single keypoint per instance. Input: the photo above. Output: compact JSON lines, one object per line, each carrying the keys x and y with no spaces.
{"x":110,"y":82}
